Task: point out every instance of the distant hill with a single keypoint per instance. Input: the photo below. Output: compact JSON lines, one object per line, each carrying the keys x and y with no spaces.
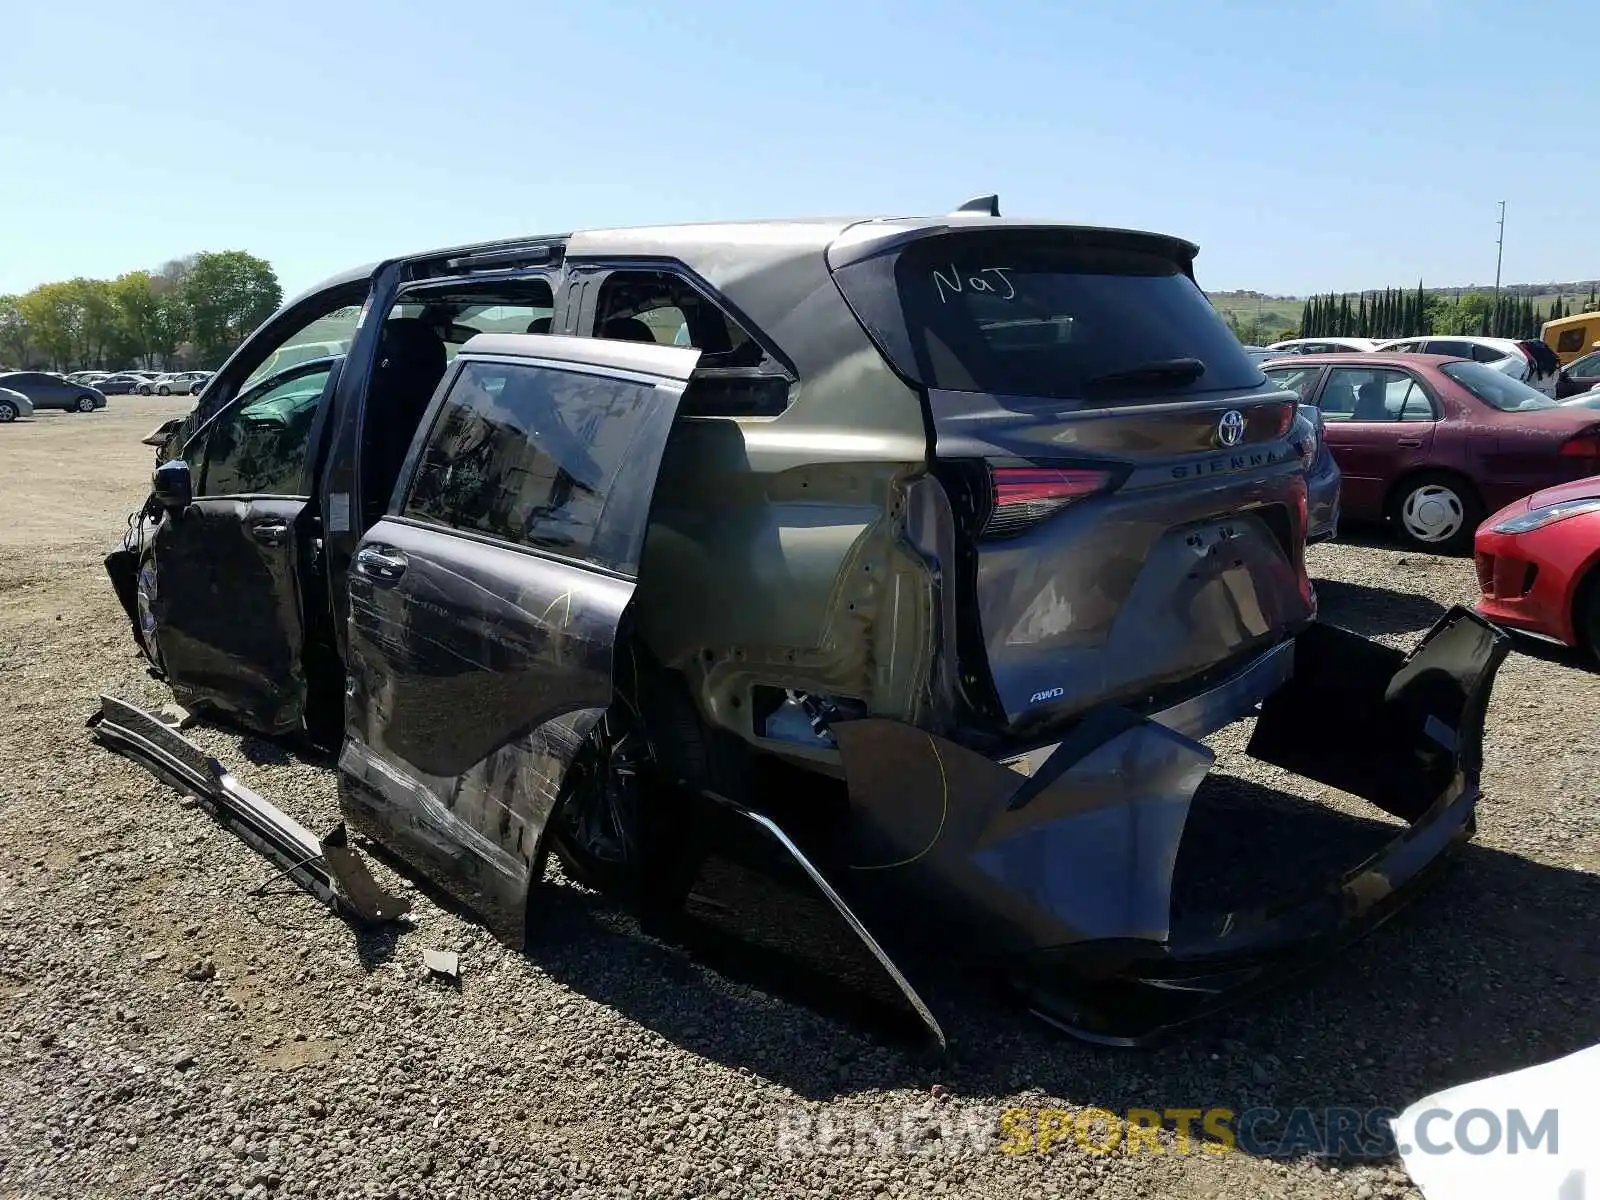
{"x":1283,"y":312}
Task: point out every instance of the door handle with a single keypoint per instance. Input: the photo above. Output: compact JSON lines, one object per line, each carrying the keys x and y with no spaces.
{"x":380,"y":564}
{"x":1409,"y":443}
{"x":270,"y":533}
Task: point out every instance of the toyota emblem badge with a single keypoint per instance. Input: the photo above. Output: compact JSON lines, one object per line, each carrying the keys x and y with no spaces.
{"x":1230,"y":430}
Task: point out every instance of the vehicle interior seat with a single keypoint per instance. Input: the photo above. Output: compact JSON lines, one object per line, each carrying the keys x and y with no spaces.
{"x":1338,"y":399}
{"x":1370,"y":404}
{"x":411,"y":361}
{"x":538,"y":325}
{"x":627,"y":329}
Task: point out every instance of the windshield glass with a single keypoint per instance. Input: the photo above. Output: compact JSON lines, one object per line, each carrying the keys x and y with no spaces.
{"x":1025,"y":313}
{"x":1496,"y":389}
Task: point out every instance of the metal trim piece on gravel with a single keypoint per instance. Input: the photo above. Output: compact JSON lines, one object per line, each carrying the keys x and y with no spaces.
{"x":328,"y":867}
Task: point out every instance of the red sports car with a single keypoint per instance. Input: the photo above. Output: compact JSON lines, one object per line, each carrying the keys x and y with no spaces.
{"x":1431,"y":444}
{"x":1539,"y":565}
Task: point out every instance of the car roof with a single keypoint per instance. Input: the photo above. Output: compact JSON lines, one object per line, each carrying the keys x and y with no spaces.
{"x":1363,"y":358}
{"x":1475,"y":339}
{"x":845,"y":238}
{"x":766,"y":270}
{"x":1332,"y":337}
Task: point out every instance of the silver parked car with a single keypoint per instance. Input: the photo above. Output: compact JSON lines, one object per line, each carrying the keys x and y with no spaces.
{"x":13,"y":405}
{"x":52,"y":391}
{"x":176,"y":383}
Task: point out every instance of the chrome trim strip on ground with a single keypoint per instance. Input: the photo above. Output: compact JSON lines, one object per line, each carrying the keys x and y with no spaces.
{"x":844,"y":911}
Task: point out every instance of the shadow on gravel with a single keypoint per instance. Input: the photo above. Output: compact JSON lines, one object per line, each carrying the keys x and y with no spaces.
{"x":266,"y":752}
{"x":1560,"y":656}
{"x":1375,"y":612}
{"x":1374,"y":535}
{"x":724,"y":999}
{"x":1491,"y":969}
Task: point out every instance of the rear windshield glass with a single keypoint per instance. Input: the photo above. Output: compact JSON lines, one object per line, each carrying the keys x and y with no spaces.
{"x":1496,"y":388}
{"x":1018,"y":313}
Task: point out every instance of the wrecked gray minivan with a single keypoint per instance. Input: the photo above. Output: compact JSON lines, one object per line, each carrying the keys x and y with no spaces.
{"x":897,"y":564}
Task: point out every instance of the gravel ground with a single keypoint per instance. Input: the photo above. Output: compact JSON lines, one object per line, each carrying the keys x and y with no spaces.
{"x":164,"y":1032}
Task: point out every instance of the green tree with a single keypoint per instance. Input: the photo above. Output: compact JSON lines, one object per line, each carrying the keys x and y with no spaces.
{"x":101,"y":333}
{"x":13,"y":332}
{"x":56,"y":319}
{"x":136,"y":303}
{"x":228,"y":294}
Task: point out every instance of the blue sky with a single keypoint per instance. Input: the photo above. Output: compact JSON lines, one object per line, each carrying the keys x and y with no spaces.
{"x":1339,"y":145}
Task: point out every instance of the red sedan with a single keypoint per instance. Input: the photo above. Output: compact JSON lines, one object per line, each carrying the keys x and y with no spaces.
{"x":1431,"y":444}
{"x":1539,"y":565}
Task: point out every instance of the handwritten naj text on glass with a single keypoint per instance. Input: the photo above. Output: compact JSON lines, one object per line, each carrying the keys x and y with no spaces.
{"x":996,"y":281}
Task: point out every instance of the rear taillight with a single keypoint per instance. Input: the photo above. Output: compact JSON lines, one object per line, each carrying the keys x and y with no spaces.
{"x":1024,"y":496}
{"x":1584,"y":445}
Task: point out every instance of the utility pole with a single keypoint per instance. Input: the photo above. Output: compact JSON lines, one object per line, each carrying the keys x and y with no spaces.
{"x":1499,"y":249}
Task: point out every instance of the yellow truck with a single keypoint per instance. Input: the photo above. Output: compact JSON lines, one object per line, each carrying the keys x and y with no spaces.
{"x":1572,"y":336}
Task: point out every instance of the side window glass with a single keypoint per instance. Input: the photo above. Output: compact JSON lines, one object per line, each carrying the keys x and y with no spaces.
{"x":1416,"y":406}
{"x":324,"y":337}
{"x":1569,"y":341}
{"x":1587,"y":367}
{"x":1360,"y":394}
{"x":660,"y":307}
{"x":1454,"y":349}
{"x":529,"y":454}
{"x":1338,"y":400}
{"x":1299,"y":380}
{"x":456,"y":315}
{"x":260,"y":444}
{"x":1487,"y":354}
{"x":1405,"y":399}
{"x":736,"y":376}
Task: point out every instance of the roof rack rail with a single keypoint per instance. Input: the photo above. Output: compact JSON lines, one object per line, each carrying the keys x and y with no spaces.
{"x":988,"y":206}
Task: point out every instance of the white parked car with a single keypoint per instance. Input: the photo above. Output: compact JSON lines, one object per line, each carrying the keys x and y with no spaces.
{"x":177,"y":383}
{"x":1323,"y":345}
{"x":1505,"y":355}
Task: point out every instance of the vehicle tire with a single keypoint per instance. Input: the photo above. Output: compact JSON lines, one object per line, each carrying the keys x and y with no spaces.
{"x":163,"y":390}
{"x":145,"y":598}
{"x":8,"y":412}
{"x":651,"y":730}
{"x":1436,"y":511}
{"x":1586,"y":616}
{"x":85,"y":404}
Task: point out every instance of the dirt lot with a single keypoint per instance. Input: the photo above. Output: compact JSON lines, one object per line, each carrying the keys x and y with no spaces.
{"x":164,"y":1032}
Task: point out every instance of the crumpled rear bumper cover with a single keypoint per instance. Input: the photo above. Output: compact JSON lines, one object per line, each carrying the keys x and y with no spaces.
{"x":1062,"y":880}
